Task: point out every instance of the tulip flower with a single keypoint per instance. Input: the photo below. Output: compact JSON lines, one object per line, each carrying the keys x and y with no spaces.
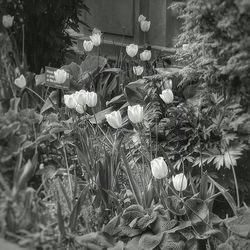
{"x":180,"y":182}
{"x":96,"y":39}
{"x":60,"y":75}
{"x":114,"y":119}
{"x":20,"y":82}
{"x":70,"y":101}
{"x":132,"y":49}
{"x":145,"y":55}
{"x":145,"y":25}
{"x":79,"y":109}
{"x":185,"y":46}
{"x":88,"y":45}
{"x":135,"y":113}
{"x":81,"y":97}
{"x":167,"y":96}
{"x":141,"y":18}
{"x":167,"y":83}
{"x":91,"y":99}
{"x":7,"y":21}
{"x":159,"y":168}
{"x":138,"y":70}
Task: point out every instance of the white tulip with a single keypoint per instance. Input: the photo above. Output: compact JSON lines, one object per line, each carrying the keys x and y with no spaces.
{"x":81,"y":97}
{"x":145,"y":55}
{"x":88,"y":45}
{"x":96,"y":39}
{"x":135,"y":113}
{"x":91,"y":99}
{"x":138,"y":70}
{"x":7,"y":21}
{"x":145,"y":25}
{"x":132,"y":49}
{"x":185,"y":46}
{"x":79,"y":109}
{"x":167,"y":96}
{"x":141,"y":18}
{"x":60,"y":75}
{"x":159,"y":168}
{"x":20,"y":82}
{"x":180,"y":182}
{"x":70,"y":101}
{"x":114,"y":119}
{"x":167,"y":83}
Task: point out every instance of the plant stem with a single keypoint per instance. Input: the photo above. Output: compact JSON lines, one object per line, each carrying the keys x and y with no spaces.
{"x":67,"y":167}
{"x":236,"y":187}
{"x":33,"y":92}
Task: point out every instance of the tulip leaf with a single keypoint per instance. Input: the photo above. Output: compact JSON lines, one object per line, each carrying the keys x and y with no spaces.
{"x":135,"y":92}
{"x":73,"y":69}
{"x":196,"y":210}
{"x":132,"y":182}
{"x":50,"y":102}
{"x":77,"y":209}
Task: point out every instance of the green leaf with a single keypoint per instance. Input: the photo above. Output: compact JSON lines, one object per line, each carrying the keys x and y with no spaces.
{"x":60,"y":220}
{"x":77,"y":208}
{"x":133,"y":184}
{"x":226,"y":194}
{"x":67,"y":198}
{"x":196,"y":210}
{"x":149,"y":241}
{"x":175,"y":205}
{"x":135,"y":92}
{"x":50,"y":102}
{"x":133,"y":244}
{"x":111,"y":227}
{"x":240,"y":225}
{"x":162,"y":223}
{"x":118,"y":246}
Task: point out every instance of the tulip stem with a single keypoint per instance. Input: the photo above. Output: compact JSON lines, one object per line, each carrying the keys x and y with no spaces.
{"x":33,"y":92}
{"x":99,"y":127}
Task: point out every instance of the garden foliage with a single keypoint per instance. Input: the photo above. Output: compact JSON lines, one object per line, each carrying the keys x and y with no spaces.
{"x":102,"y":170}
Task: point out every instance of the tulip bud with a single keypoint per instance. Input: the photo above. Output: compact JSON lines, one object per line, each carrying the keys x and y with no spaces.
{"x":96,"y":39}
{"x":70,"y":101}
{"x":114,"y":119}
{"x":132,"y":50}
{"x":138,"y":70}
{"x":167,"y":96}
{"x":88,"y":45}
{"x":145,"y":25}
{"x":185,"y":46}
{"x":79,"y":109}
{"x":145,"y":55}
{"x":141,"y":18}
{"x":7,"y":21}
{"x":159,"y":168}
{"x":20,"y":82}
{"x":167,"y":83}
{"x":60,"y":75}
{"x":135,"y":113}
{"x":81,"y":97}
{"x":91,"y":99}
{"x":180,"y":182}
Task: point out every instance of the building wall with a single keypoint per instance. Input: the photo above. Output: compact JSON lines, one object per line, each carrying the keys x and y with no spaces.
{"x":118,"y":20}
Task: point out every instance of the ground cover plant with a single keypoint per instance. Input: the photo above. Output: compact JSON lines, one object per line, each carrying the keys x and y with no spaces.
{"x":131,"y":156}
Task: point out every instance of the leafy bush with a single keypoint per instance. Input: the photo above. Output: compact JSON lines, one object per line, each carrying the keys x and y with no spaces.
{"x":216,"y":49}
